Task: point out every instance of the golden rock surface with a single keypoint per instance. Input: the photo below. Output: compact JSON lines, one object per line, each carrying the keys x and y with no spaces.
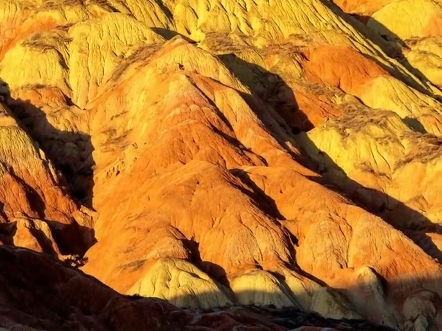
{"x":226,"y":152}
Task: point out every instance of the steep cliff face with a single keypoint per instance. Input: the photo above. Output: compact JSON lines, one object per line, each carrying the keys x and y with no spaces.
{"x":222,"y":153}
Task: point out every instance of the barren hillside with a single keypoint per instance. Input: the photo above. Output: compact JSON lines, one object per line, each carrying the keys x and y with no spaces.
{"x":259,"y":164}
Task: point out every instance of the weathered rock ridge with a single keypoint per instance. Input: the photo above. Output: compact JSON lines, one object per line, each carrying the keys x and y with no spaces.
{"x":220,"y":153}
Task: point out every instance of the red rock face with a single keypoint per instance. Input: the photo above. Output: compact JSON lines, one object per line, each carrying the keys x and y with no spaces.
{"x":256,"y":164}
{"x":361,"y":7}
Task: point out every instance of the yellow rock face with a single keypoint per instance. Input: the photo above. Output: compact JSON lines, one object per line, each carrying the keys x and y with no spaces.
{"x":412,"y":19}
{"x":219,"y":152}
{"x":182,"y":283}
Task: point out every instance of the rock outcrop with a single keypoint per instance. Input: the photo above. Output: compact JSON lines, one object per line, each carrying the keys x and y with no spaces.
{"x":220,"y":154}
{"x":40,"y":293}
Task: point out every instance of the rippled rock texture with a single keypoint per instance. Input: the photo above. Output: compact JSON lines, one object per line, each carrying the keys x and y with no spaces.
{"x":220,"y":153}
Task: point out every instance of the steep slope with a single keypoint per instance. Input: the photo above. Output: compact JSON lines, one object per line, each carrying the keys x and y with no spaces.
{"x":426,"y":23}
{"x":36,"y":210}
{"x":413,"y":28}
{"x":362,"y":7}
{"x":216,"y":140}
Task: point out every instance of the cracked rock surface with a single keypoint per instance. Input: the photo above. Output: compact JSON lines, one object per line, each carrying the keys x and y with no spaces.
{"x":260,"y":165}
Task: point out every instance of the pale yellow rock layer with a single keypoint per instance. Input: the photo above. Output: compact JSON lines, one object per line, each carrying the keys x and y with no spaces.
{"x":193,"y":152}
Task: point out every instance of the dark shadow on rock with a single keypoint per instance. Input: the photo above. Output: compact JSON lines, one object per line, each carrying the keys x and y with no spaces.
{"x":7,"y":232}
{"x":271,"y":89}
{"x":266,"y":203}
{"x":215,"y":271}
{"x":272,"y":101}
{"x":358,"y":22}
{"x":77,"y":170}
{"x":66,"y":237}
{"x":169,"y":34}
{"x":118,"y":312}
{"x":72,"y":239}
{"x":165,"y":9}
{"x":411,"y":222}
{"x":266,"y":87}
{"x":75,"y":174}
{"x":390,"y":44}
{"x":414,"y":124}
{"x":3,"y":215}
{"x":391,"y":37}
{"x":42,"y":292}
{"x":361,"y":18}
{"x":292,"y":318}
{"x":251,"y":304}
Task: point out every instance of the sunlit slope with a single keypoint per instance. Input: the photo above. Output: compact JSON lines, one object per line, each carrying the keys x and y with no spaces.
{"x":364,"y":8}
{"x":118,"y":31}
{"x":411,"y":19}
{"x":379,"y":159}
{"x":426,"y":56}
{"x":78,"y":60}
{"x":201,"y":153}
{"x":416,"y":26}
{"x":17,"y":23}
{"x":204,"y":144}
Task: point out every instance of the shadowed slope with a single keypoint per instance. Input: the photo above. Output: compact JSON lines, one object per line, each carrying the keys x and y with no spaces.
{"x":218,"y":166}
{"x":75,"y":301}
